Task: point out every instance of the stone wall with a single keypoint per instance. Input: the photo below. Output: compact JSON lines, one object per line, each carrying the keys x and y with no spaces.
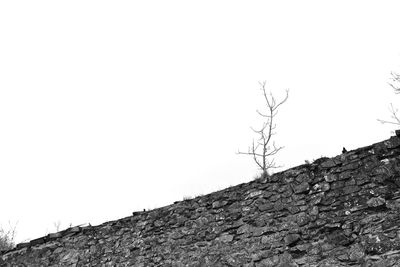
{"x":342,"y":211}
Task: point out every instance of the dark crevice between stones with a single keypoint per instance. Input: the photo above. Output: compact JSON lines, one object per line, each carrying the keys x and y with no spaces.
{"x":334,"y":235}
{"x":294,"y":243}
{"x":390,"y":154}
{"x":339,"y":238}
{"x":393,"y":182}
{"x":296,"y":253}
{"x":381,"y":208}
{"x":327,"y":230}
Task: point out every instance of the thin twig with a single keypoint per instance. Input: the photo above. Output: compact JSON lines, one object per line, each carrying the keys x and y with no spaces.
{"x":393,"y":114}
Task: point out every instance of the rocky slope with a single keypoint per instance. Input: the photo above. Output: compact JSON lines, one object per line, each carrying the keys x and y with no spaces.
{"x":342,"y":211}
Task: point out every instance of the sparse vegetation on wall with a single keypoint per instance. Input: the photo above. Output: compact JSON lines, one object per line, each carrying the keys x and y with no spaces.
{"x":7,"y":238}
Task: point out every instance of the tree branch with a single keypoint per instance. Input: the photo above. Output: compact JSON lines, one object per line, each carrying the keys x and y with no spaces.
{"x":393,"y":111}
{"x":396,"y":79}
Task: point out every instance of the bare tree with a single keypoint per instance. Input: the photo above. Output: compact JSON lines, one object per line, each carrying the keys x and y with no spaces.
{"x":264,"y":148}
{"x":394,"y":117}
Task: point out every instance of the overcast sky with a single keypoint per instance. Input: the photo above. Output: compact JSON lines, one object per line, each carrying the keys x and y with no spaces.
{"x":109,"y":107}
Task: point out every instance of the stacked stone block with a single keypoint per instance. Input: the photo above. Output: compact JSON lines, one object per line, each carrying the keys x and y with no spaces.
{"x":341,"y":211}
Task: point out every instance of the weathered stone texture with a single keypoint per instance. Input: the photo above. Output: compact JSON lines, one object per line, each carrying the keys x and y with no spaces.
{"x":342,"y":211}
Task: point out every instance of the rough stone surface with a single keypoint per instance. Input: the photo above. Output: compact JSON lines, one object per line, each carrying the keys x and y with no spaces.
{"x":343,"y":211}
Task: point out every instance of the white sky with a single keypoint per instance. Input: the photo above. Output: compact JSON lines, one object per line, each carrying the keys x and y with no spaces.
{"x":108,"y":107}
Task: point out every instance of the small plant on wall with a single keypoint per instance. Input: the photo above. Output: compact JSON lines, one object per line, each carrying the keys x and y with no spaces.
{"x":263,"y":148}
{"x":7,"y":238}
